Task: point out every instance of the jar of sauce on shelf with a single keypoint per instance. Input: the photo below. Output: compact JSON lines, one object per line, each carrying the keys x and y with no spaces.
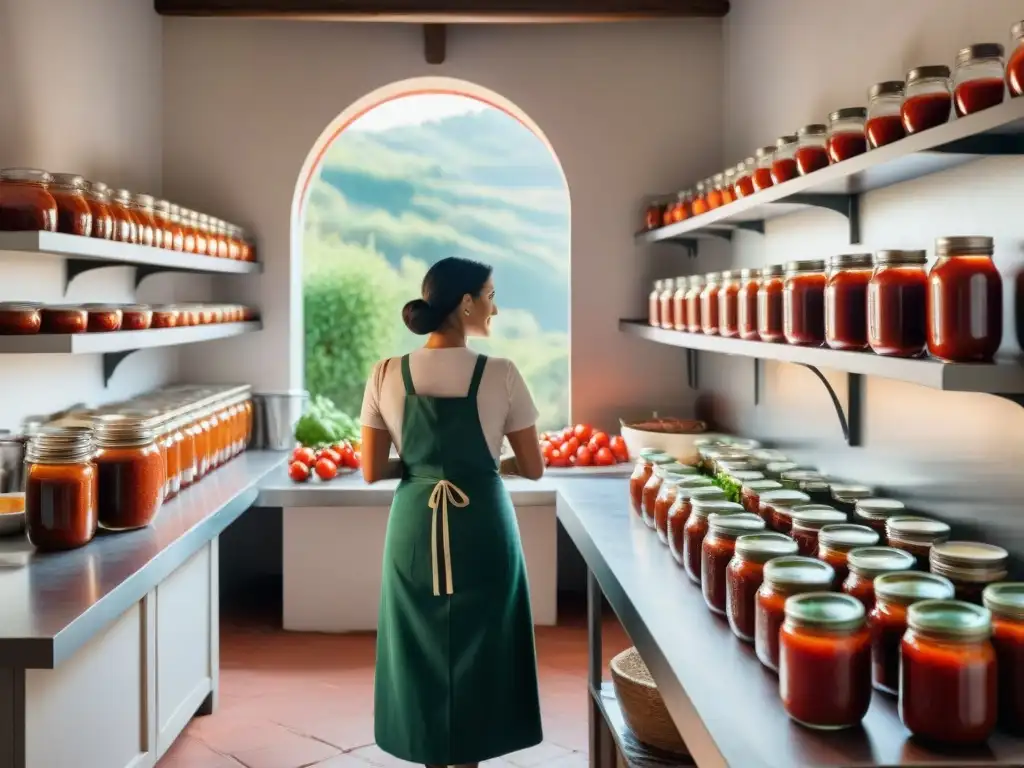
{"x":149,"y":233}
{"x":835,"y":543}
{"x":60,"y":489}
{"x":811,"y":153}
{"x":714,"y":187}
{"x":887,"y":620}
{"x":62,"y":318}
{"x":728,"y":305}
{"x":866,"y":564}
{"x":876,"y":511}
{"x":807,"y":521}
{"x":745,"y":575}
{"x":846,"y":495}
{"x":784,"y":577}
{"x":1015,"y":66}
{"x":668,"y":290}
{"x":970,"y":565}
{"x":696,"y":529}
{"x":201,"y":226}
{"x":20,"y":318}
{"x":709,"y":303}
{"x":188,"y":243}
{"x":948,"y":689}
{"x":177,"y":229}
{"x":162,"y":219}
{"x":750,"y":494}
{"x":784,"y":158}
{"x":104,"y":318}
{"x":1006,"y":603}
{"x":212,"y":243}
{"x":74,"y":217}
{"x":136,"y":317}
{"x":978,"y":80}
{"x":695,"y":287}
{"x":728,"y":192}
{"x":97,"y":196}
{"x":916,"y":535}
{"x":699,"y":203}
{"x":825,"y":661}
{"x":965,"y":301}
{"x":717,"y":551}
{"x":235,"y":241}
{"x":884,"y":124}
{"x":803,"y":302}
{"x":129,"y":471}
{"x":679,"y":304}
{"x":654,"y":304}
{"x":770,"y":304}
{"x":671,"y":485}
{"x":170,"y":451}
{"x":810,"y":482}
{"x":744,"y":179}
{"x":189,"y":460}
{"x":659,"y":466}
{"x":897,"y":295}
{"x":846,"y":136}
{"x":776,"y":507}
{"x":126,"y":223}
{"x":26,"y":204}
{"x":927,"y":98}
{"x":746,"y":303}
{"x":680,"y":511}
{"x":643,"y":468}
{"x":761,"y":175}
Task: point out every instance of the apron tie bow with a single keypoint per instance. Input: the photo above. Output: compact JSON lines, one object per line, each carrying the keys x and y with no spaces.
{"x":444,"y":492}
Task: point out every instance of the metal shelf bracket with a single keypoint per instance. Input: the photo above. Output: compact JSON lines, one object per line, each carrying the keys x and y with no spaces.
{"x":845,"y":205}
{"x":850,"y":419}
{"x":111,"y":360}
{"x":692,"y":380}
{"x":75,"y":267}
{"x":144,"y":270}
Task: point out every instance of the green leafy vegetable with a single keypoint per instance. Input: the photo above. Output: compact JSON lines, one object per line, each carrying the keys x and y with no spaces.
{"x":323,"y":423}
{"x":731,"y":487}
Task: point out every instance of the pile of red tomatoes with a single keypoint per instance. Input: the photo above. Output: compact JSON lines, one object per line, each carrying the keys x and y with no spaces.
{"x":324,"y":462}
{"x":582,"y":446}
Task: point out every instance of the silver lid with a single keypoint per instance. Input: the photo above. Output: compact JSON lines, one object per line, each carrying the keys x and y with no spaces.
{"x":712,"y":277}
{"x":979,"y":51}
{"x":851,"y":260}
{"x":1017,"y":30}
{"x":909,"y":529}
{"x":874,"y":561}
{"x":762,"y":152}
{"x":734,"y":524}
{"x":894,"y":257}
{"x":34,"y":175}
{"x":814,"y":129}
{"x":786,"y":140}
{"x":928,"y":72}
{"x":99,"y":187}
{"x":772,"y":270}
{"x":975,"y":245}
{"x":702,"y":507}
{"x":878,"y":508}
{"x":146,"y":201}
{"x":848,"y":113}
{"x":696,"y":281}
{"x":60,"y":445}
{"x":163,"y":206}
{"x":718,"y":178}
{"x":69,"y":180}
{"x":814,"y":517}
{"x":728,"y":274}
{"x":846,"y":536}
{"x":746,"y":274}
{"x":807,"y":265}
{"x":123,"y":196}
{"x":116,"y":430}
{"x":886,"y":88}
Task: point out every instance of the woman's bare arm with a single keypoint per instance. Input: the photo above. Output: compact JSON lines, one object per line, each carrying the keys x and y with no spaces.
{"x":376,"y":454}
{"x":528,"y":462}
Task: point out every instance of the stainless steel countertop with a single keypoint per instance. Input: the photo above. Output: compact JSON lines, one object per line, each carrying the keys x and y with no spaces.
{"x":52,"y":604}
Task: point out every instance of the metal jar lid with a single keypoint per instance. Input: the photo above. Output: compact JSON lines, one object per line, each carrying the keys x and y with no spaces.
{"x":950,"y":620}
{"x":848,"y":113}
{"x":894,"y":257}
{"x":144,"y":201}
{"x":878,"y":509}
{"x":843,"y":537}
{"x":796,"y":572}
{"x":718,"y":178}
{"x":806,"y":265}
{"x":60,"y":445}
{"x":762,"y":152}
{"x":849,"y":493}
{"x":979,"y":51}
{"x":964,"y":246}
{"x":762,"y":547}
{"x":98,"y":187}
{"x":703,"y":507}
{"x":1005,"y":599}
{"x":870,"y":562}
{"x":69,"y":181}
{"x":742,"y":476}
{"x":909,"y":529}
{"x":851,"y":260}
{"x":968,"y":561}
{"x":785,"y":497}
{"x":825,"y":611}
{"x":886,"y":88}
{"x":712,"y":277}
{"x":734,"y":464}
{"x":163,"y":206}
{"x":687,"y":487}
{"x":116,"y":430}
{"x":772,"y":270}
{"x":785,"y":141}
{"x":928,"y":72}
{"x":123,"y":196}
{"x":814,"y":129}
{"x":729,"y":275}
{"x":747,"y":274}
{"x":663,"y":468}
{"x":761,"y":486}
{"x":733,"y":525}
{"x":814,"y":517}
{"x":906,"y":587}
{"x":19,"y":306}
{"x":1017,"y":30}
{"x":702,"y":493}
{"x":31,"y":175}
{"x":697,"y":281}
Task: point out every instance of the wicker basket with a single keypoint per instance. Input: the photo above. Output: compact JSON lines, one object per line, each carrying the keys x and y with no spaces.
{"x":641,"y":704}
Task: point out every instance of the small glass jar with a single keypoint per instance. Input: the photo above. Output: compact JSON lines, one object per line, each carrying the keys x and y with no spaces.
{"x":177,"y":229}
{"x":745,"y":574}
{"x":643,"y":468}
{"x":846,"y":301}
{"x":916,"y":535}
{"x":1006,"y":602}
{"x":60,"y":489}
{"x":126,"y":223}
{"x":163,"y":230}
{"x":761,"y":173}
{"x":164,"y":317}
{"x":206,"y":223}
{"x":709,"y":304}
{"x":654,"y":304}
{"x":948,"y":678}
{"x":846,"y":136}
{"x":695,"y":287}
{"x":846,"y":495}
{"x":74,"y":217}
{"x":866,"y":564}
{"x":750,"y":494}
{"x":649,"y":495}
{"x":189,"y":460}
{"x":717,"y":551}
{"x":894,"y":593}
{"x":897,"y":296}
{"x":63,"y":319}
{"x":26,"y":204}
{"x":19,"y":318}
{"x":803,"y":303}
{"x":965,"y":301}
{"x":970,"y":565}
{"x":744,"y":180}
{"x":814,"y":484}
{"x":884,"y":124}
{"x":807,"y":521}
{"x":714,"y":191}
{"x":680,"y":511}
{"x":728,"y":193}
{"x":770,"y":313}
{"x":668,"y":493}
{"x":811,"y":153}
{"x":129,"y":471}
{"x":699,"y":202}
{"x":188,"y":242}
{"x":927,"y":98}
{"x":136,"y":317}
{"x":978,"y":79}
{"x":103,"y":318}
{"x":784,"y":158}
{"x":1015,"y":65}
{"x":746,"y":304}
{"x":150,"y":233}
{"x":783,"y":578}
{"x":679,"y":304}
{"x":668,"y":290}
{"x":825,"y":661}
{"x":200,"y":228}
{"x":728,"y":305}
{"x":776,"y":507}
{"x":875,"y":512}
{"x":97,"y":196}
{"x":775,"y":469}
{"x":835,"y":543}
{"x":696,"y":529}
{"x":170,"y":451}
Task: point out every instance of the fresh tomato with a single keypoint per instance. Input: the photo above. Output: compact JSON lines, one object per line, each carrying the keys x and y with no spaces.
{"x":618,"y":446}
{"x":326,"y":469}
{"x":583,"y":432}
{"x":604,"y":457}
{"x":348,"y":458}
{"x":601,"y":438}
{"x":558,"y":459}
{"x":306,"y":455}
{"x":584,"y":458}
{"x":333,"y":455}
{"x":298,"y":471}
{"x":574,"y":445}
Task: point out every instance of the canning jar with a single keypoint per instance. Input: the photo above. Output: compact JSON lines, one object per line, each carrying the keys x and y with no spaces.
{"x":103,"y":318}
{"x":744,"y":180}
{"x":679,"y":304}
{"x":750,"y":494}
{"x":897,"y":297}
{"x":884,"y":124}
{"x":965,"y":301}
{"x":26,"y":204}
{"x":18,"y":318}
{"x":761,"y":176}
{"x":696,"y":528}
{"x":667,"y":494}
{"x":709,"y":303}
{"x":809,"y":481}
{"x":894,"y":593}
{"x":164,"y":228}
{"x":74,"y":217}
{"x":728,"y":194}
{"x":770,"y":304}
{"x":717,"y":550}
{"x":679,"y":513}
{"x":807,"y":521}
{"x":746,"y":573}
{"x":728,"y":304}
{"x":170,"y":451}
{"x":979,"y":78}
{"x":136,"y":317}
{"x":63,"y":319}
{"x":714,"y":188}
{"x":126,"y":224}
{"x":926,"y":98}
{"x":948,"y":672}
{"x":775,"y":507}
{"x":129,"y":471}
{"x":846,"y":495}
{"x":654,"y":304}
{"x":149,"y":233}
{"x":188,"y":243}
{"x":97,"y":196}
{"x":643,"y":468}
{"x":746,"y":302}
{"x":659,"y":470}
{"x":811,"y":153}
{"x":846,"y":137}
{"x":189,"y":459}
{"x":200,"y":227}
{"x":876,"y":511}
{"x":1006,"y":602}
{"x":204,"y":442}
{"x":916,"y":535}
{"x":693,"y":310}
{"x":699,"y":202}
{"x":846,"y":301}
{"x":867,"y":563}
{"x":164,"y":317}
{"x":668,"y":290}
{"x":784,"y":158}
{"x":60,"y":489}
{"x":1015,"y":66}
{"x":803,"y":302}
{"x":970,"y":565}
{"x":783,"y":578}
{"x":210,"y":236}
{"x":835,"y":543}
{"x":825,"y":661}
{"x":671,"y":212}
{"x":177,"y":232}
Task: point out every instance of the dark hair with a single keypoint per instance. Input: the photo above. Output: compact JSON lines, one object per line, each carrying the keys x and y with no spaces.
{"x":443,"y":288}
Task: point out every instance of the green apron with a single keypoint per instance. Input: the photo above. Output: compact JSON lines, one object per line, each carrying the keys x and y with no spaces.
{"x":456,"y":677}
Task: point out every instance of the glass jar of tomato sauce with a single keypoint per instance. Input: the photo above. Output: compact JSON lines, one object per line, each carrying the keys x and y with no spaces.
{"x":775,"y":507}
{"x":927,"y":98}
{"x":846,"y":136}
{"x":714,"y":188}
{"x":875,"y":512}
{"x":784,"y":577}
{"x":770,"y":304}
{"x":744,"y":179}
{"x":811,"y":154}
{"x":665,"y":317}
{"x":803,"y":302}
{"x":867,"y":563}
{"x":761,"y":172}
{"x":728,"y":304}
{"x":709,"y":313}
{"x":74,"y":217}
{"x":965,"y":301}
{"x":916,"y":535}
{"x":746,"y":573}
{"x":129,"y":471}
{"x":728,"y":193}
{"x":699,"y":202}
{"x":807,"y":521}
{"x":643,"y":468}
{"x":654,"y":304}
{"x":978,"y":80}
{"x":694,"y":289}
{"x":177,"y":228}
{"x":1015,"y":65}
{"x":846,"y":301}
{"x":887,"y":620}
{"x":1006,"y":602}
{"x":846,"y":495}
{"x":97,"y":196}
{"x":825,"y":661}
{"x":750,"y":493}
{"x":696,"y":529}
{"x":970,"y":565}
{"x":126,"y":223}
{"x":814,"y":484}
{"x":60,"y":489}
{"x":948,"y":688}
{"x":835,"y":543}
{"x":660,"y":469}
{"x":26,"y":204}
{"x":746,"y":304}
{"x":897,"y":313}
{"x":884,"y":124}
{"x":667,"y":495}
{"x":680,"y":511}
{"x":717,"y":551}
{"x":784,"y":165}
{"x":679,"y":304}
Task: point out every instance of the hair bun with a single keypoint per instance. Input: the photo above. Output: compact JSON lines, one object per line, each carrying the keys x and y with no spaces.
{"x":420,"y":318}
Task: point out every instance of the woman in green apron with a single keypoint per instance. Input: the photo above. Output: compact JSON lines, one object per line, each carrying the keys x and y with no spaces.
{"x":456,"y":676}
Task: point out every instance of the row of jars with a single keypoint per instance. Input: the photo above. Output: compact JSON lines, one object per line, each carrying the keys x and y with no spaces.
{"x":830,"y":608}
{"x":114,"y":467}
{"x":886,"y":301}
{"x":26,"y":318}
{"x":896,"y":108}
{"x":34,"y":200}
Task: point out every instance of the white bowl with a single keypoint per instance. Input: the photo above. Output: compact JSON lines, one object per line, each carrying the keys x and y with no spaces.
{"x":678,"y":445}
{"x":12,"y":523}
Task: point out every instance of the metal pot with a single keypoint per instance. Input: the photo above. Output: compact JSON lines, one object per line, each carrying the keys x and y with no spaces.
{"x":275,"y":415}
{"x":12,"y":463}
